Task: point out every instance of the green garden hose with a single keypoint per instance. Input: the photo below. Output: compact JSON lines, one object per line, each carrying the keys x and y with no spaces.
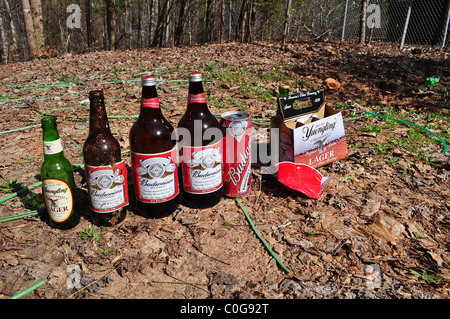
{"x":28,"y":290}
{"x":261,"y":238}
{"x":415,"y":125}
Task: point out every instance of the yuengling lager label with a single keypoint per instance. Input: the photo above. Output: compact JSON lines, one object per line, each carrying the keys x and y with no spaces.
{"x":58,"y":198}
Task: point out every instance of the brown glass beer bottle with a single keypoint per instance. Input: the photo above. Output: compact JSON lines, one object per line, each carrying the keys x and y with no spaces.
{"x":154,"y":157}
{"x":106,"y":171}
{"x":200,"y":140}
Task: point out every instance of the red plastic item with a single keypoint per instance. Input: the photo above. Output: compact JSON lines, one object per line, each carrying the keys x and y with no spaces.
{"x":301,"y":178}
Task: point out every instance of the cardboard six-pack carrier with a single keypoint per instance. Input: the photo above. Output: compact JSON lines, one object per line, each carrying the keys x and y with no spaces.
{"x":311,"y":132}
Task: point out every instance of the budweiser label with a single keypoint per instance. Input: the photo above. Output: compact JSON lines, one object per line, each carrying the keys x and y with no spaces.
{"x":202,"y":168}
{"x":152,"y":103}
{"x":155,"y":176}
{"x":238,"y":172}
{"x":108,"y":187}
{"x":196,"y":98}
{"x":237,"y":153}
{"x":53,"y":147}
{"x":58,"y":198}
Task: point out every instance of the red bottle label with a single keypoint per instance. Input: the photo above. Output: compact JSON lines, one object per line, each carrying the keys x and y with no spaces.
{"x":202,"y":168}
{"x":108,"y":187}
{"x":196,"y":98}
{"x":152,"y":103}
{"x":155,"y":176}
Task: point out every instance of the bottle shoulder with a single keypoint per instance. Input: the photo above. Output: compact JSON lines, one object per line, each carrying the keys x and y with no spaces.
{"x":151,"y":127}
{"x":101,"y":142}
{"x":98,"y":151}
{"x":203,"y":115}
{"x":151,"y":137}
{"x":56,"y":167}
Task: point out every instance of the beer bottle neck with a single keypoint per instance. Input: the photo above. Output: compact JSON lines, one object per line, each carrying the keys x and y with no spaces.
{"x":98,"y":120}
{"x":197,"y":98}
{"x":150,"y":106}
{"x":196,"y":87}
{"x":49,"y":132}
{"x":52,"y":142}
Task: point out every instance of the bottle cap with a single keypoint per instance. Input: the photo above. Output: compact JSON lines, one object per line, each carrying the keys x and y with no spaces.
{"x":96,"y":94}
{"x":48,"y":121}
{"x":195,"y":77}
{"x":148,"y":80}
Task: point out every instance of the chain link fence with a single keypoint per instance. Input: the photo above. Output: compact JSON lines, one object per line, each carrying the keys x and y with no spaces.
{"x":406,"y":22}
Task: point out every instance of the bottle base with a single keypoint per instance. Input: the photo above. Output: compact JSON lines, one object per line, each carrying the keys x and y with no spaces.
{"x":159,"y":210}
{"x":66,"y":225}
{"x":108,"y":219}
{"x":202,"y":201}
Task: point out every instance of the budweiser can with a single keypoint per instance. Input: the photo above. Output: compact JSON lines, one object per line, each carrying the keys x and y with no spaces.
{"x":236,"y":153}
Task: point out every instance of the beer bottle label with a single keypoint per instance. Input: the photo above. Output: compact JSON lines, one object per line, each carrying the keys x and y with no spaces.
{"x":196,"y":98}
{"x":152,"y":103}
{"x":202,"y":168}
{"x":155,"y":176}
{"x":108,"y":187}
{"x":53,"y":147}
{"x":58,"y":198}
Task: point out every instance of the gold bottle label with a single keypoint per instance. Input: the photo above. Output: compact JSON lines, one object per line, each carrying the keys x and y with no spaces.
{"x":58,"y":198}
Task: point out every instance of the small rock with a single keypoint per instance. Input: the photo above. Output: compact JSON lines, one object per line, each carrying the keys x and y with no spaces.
{"x":10,"y":260}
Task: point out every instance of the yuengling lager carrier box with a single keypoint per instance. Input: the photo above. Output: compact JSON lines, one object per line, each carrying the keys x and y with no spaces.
{"x":311,"y":132}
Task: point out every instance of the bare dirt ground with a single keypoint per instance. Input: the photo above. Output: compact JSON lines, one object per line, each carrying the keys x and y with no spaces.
{"x":380,"y":229}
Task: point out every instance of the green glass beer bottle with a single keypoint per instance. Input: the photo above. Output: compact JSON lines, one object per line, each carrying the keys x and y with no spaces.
{"x":284,"y":90}
{"x":58,"y":186}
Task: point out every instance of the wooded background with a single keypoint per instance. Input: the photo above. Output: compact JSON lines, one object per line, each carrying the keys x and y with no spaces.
{"x":33,"y":28}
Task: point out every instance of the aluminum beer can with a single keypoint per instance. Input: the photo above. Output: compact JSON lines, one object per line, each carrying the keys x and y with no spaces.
{"x":236,"y":153}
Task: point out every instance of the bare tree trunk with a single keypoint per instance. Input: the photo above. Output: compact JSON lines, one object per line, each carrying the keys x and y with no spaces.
{"x":362,"y":30}
{"x":229,"y":19}
{"x":189,"y":27}
{"x":242,"y":21}
{"x":167,"y":40}
{"x":87,"y":4}
{"x":111,"y":23}
{"x":250,"y":16}
{"x":179,"y":26}
{"x":150,"y":22}
{"x":29,"y":28}
{"x":286,"y":23}
{"x":159,"y":32}
{"x":139,"y":33}
{"x":3,"y":49}
{"x":128,"y":23}
{"x":12,"y":25}
{"x":208,"y":23}
{"x":36,"y":12}
{"x":222,"y":21}
{"x":63,"y":34}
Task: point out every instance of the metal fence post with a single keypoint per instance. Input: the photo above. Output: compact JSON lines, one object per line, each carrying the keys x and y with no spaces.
{"x":405,"y":29}
{"x":446,"y":27}
{"x":345,"y":20}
